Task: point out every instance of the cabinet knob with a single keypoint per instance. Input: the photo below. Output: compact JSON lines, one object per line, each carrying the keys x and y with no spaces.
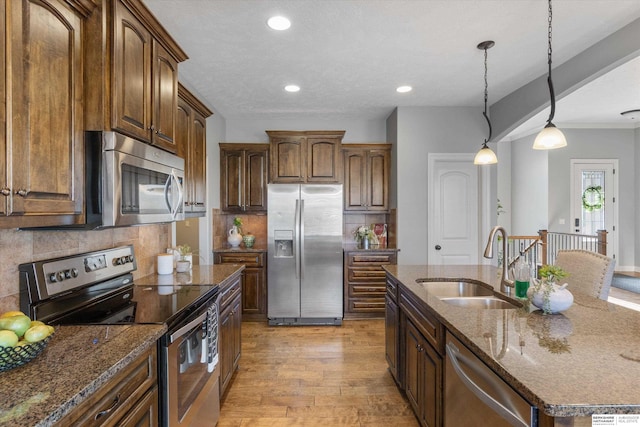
{"x":22,"y":192}
{"x":438,"y":247}
{"x":5,"y":191}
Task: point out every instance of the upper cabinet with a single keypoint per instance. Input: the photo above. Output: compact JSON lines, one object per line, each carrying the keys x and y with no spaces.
{"x":366,"y":177}
{"x":138,"y":93}
{"x":306,"y":156}
{"x":243,"y":177}
{"x":41,"y":155}
{"x":191,"y":139}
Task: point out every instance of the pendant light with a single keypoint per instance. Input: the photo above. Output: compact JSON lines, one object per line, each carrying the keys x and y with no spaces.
{"x":486,"y":156}
{"x":550,"y":137}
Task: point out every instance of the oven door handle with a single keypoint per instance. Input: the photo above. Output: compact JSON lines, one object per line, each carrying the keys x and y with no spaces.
{"x":186,"y":328}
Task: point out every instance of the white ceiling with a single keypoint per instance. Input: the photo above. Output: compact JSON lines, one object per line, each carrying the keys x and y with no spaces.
{"x":350,"y":55}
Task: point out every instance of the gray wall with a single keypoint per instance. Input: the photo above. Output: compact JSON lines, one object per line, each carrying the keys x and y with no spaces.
{"x":420,"y":131}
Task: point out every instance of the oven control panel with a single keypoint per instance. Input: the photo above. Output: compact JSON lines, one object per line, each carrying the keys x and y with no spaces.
{"x":64,"y":274}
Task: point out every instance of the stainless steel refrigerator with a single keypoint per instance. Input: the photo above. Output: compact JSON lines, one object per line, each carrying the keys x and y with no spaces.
{"x":305,"y":254}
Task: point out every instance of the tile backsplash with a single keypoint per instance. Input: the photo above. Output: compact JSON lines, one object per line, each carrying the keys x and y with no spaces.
{"x":18,"y":247}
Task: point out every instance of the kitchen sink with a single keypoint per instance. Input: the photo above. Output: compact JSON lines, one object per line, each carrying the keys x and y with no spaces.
{"x":444,"y":289}
{"x":484,"y":302}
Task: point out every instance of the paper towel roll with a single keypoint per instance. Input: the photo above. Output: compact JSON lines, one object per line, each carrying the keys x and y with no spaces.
{"x":165,"y":263}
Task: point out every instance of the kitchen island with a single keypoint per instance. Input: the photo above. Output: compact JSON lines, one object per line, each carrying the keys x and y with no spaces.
{"x":583,"y":361}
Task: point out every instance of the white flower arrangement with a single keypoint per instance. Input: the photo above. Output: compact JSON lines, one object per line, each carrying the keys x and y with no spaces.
{"x":363,"y":232}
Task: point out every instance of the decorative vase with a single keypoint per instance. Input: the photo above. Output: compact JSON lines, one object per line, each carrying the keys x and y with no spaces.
{"x":183,"y":266}
{"x":550,"y":297}
{"x":235,"y":238}
{"x":365,"y":243}
{"x":248,"y":240}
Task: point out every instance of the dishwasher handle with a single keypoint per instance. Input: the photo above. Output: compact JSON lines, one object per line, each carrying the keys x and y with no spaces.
{"x":453,"y":353}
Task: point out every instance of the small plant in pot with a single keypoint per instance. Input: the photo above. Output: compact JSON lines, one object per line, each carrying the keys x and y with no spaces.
{"x":547,"y":294}
{"x":186,"y":257}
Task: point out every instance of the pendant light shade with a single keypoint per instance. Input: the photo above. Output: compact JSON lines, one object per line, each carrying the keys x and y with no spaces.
{"x":550,"y":137}
{"x":486,"y":156}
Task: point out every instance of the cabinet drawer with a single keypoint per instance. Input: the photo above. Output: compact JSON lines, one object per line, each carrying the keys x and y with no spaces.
{"x":392,"y":288}
{"x":367,"y":305}
{"x":372,"y":290}
{"x":250,"y":259}
{"x":426,"y":322}
{"x":115,"y":398}
{"x":366,"y":274}
{"x":370,"y":258}
{"x":229,"y":291}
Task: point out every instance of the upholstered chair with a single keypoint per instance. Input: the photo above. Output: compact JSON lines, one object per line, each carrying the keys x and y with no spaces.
{"x":589,"y":272}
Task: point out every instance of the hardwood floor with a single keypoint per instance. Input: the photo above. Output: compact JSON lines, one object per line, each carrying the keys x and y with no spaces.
{"x":314,"y":376}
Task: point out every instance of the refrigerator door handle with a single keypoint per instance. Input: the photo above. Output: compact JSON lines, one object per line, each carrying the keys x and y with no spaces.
{"x":301,"y":257}
{"x":296,"y":238}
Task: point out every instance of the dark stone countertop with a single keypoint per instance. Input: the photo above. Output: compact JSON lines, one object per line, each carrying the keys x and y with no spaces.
{"x":583,"y":361}
{"x":76,"y":362}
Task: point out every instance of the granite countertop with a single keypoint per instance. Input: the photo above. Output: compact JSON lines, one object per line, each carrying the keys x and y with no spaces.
{"x":580,"y":362}
{"x":77,"y":361}
{"x":198,"y":275}
{"x":352,"y":247}
{"x":241,"y":248}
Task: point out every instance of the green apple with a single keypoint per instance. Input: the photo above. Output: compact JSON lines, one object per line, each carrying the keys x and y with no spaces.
{"x":18,"y":324}
{"x":8,"y":338}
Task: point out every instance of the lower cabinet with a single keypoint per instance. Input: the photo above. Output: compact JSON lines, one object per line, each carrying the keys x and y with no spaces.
{"x":364,"y":282}
{"x":254,"y":282}
{"x":230,"y":324}
{"x":130,"y":398}
{"x":423,"y":377}
{"x":392,"y":329}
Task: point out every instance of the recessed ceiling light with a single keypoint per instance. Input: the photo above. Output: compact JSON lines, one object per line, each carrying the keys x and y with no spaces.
{"x":404,"y":89}
{"x":292,"y":88}
{"x":279,"y":23}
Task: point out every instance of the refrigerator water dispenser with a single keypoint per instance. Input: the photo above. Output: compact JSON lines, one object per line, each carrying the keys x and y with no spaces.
{"x":283,"y":242}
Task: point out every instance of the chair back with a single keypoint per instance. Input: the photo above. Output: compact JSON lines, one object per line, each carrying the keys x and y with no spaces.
{"x":589,"y":272}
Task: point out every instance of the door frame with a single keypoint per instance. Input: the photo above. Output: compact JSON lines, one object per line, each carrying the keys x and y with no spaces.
{"x":484,"y":192}
{"x":616,"y":220}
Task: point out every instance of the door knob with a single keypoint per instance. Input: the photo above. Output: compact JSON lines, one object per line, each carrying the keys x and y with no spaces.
{"x":438,"y":247}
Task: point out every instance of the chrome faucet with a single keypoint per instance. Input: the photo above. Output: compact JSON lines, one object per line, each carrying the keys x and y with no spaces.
{"x":505,"y":284}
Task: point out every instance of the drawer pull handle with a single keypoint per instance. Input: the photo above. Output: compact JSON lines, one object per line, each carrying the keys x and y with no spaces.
{"x":115,"y":402}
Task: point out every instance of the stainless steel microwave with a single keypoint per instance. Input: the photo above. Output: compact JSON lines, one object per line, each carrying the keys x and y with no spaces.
{"x":128,"y":182}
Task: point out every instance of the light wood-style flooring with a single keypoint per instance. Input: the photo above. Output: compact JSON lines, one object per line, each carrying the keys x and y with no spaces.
{"x":314,"y":376}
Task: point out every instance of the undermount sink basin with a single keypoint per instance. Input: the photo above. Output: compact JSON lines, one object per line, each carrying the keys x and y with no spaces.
{"x":444,"y":289}
{"x":484,"y":302}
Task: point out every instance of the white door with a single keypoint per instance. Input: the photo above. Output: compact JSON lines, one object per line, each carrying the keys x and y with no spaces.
{"x":594,"y":192}
{"x":454,"y":211}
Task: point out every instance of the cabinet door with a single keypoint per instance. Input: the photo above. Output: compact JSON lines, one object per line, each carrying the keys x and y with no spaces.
{"x":254,"y":295}
{"x":236,"y":314}
{"x":391,"y":336}
{"x":183,"y":145}
{"x":231,"y":170}
{"x":288,"y":160}
{"x":131,"y":75}
{"x":378,"y":169}
{"x":197,"y":161}
{"x":165,"y":98}
{"x":431,"y":393}
{"x":46,"y":121}
{"x":355,"y":181}
{"x":323,"y":160}
{"x":256,"y":177}
{"x":413,"y":371}
{"x":226,"y":347}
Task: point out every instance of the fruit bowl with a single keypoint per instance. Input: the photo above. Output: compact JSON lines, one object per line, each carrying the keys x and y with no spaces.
{"x":12,"y":357}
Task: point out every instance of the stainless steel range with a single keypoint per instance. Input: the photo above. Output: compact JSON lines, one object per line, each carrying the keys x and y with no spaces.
{"x":98,"y":288}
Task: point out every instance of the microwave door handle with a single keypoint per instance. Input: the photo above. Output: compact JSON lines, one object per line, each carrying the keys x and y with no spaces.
{"x":170,"y":180}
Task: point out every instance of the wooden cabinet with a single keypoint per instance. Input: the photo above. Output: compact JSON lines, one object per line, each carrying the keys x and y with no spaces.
{"x":366,"y":177}
{"x":254,"y":282}
{"x":244,"y":172}
{"x":41,"y":150}
{"x":365,"y":282}
{"x":306,"y":156}
{"x":130,"y":398}
{"x":134,"y":87}
{"x":392,"y":329}
{"x":191,"y":141}
{"x":230,"y":324}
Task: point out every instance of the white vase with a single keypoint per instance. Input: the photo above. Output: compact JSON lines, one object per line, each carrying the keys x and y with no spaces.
{"x":235,"y":238}
{"x":560,"y":298}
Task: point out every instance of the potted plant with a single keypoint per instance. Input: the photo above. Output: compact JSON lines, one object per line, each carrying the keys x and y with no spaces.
{"x":547,"y":294}
{"x":186,"y":258}
{"x":363,"y":235}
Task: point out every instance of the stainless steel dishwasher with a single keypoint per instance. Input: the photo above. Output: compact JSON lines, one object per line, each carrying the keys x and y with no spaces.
{"x":477,"y":396}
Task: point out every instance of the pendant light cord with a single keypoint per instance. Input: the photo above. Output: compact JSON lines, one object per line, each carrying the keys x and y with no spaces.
{"x":486,"y":95}
{"x":549,"y":81}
